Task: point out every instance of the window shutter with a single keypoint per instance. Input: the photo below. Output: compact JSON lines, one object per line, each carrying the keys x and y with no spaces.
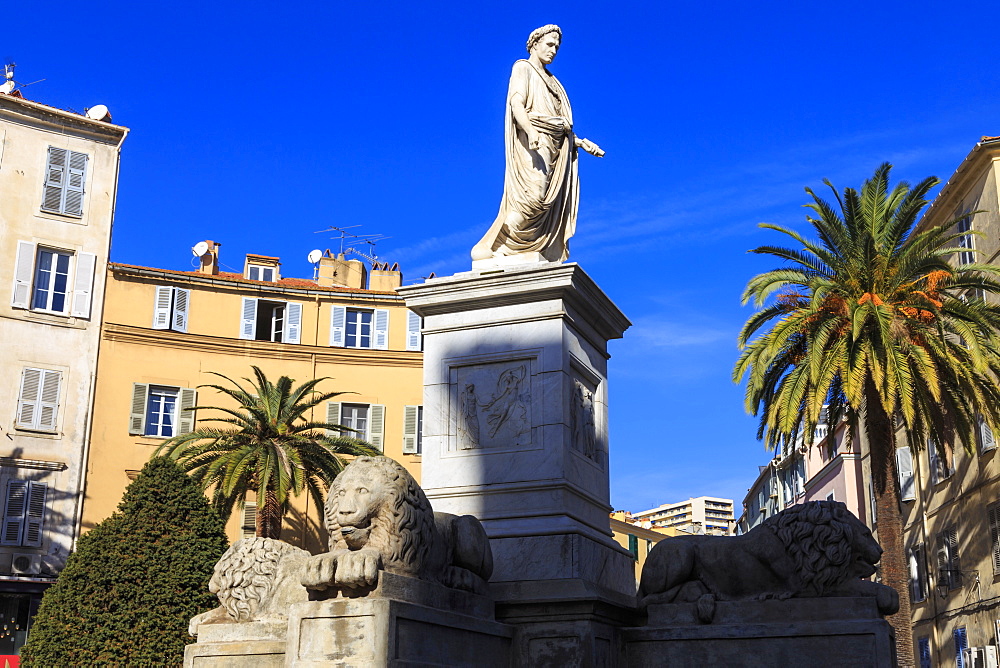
{"x":338,"y":323}
{"x":161,"y":307}
{"x":412,"y":331}
{"x":944,"y":576}
{"x":48,"y":399}
{"x":914,"y":576}
{"x":137,"y":420}
{"x":376,"y":429}
{"x":55,"y":180}
{"x":77,"y":175}
{"x":904,"y":468}
{"x":35,"y":515}
{"x":23,"y":269}
{"x":83,"y":284}
{"x":956,"y":563}
{"x":633,"y":546}
{"x":871,"y":503}
{"x":333,"y":417}
{"x":185,"y":417}
{"x":181,"y":300}
{"x":13,"y":514}
{"x":380,"y":337}
{"x":27,"y":407}
{"x":993,"y":512}
{"x":961,"y":642}
{"x":249,"y":519}
{"x":248,"y":323}
{"x":987,"y":441}
{"x":293,"y":322}
{"x":410,"y":430}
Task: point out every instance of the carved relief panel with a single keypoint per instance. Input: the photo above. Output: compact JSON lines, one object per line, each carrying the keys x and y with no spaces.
{"x":491,"y":405}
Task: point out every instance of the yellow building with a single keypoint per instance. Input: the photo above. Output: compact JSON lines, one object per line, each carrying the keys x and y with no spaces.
{"x":637,"y":537}
{"x":58,"y":184}
{"x":166,"y":332}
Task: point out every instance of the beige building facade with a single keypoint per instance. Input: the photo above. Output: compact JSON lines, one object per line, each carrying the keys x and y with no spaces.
{"x":703,"y":514}
{"x":58,"y":184}
{"x":166,"y":333}
{"x":638,"y":537}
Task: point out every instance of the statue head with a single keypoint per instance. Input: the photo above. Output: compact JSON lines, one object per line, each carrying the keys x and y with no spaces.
{"x":539,"y":33}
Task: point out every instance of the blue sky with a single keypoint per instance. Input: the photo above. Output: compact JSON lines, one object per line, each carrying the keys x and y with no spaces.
{"x":260,"y":124}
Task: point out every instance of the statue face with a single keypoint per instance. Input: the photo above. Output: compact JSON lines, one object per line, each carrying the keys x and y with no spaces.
{"x":546,"y":48}
{"x":358,"y":498}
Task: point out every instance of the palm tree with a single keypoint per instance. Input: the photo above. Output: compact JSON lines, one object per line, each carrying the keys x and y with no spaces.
{"x":872,"y":321}
{"x":269,"y":447}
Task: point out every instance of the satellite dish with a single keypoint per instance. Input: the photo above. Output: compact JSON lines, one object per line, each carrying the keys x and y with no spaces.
{"x":315,"y":256}
{"x":99,"y":113}
{"x":200,"y":249}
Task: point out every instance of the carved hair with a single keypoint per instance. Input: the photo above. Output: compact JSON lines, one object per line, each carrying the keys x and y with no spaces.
{"x":539,"y":33}
{"x":402,"y":528}
{"x":245,"y":574}
{"x":823,"y":539}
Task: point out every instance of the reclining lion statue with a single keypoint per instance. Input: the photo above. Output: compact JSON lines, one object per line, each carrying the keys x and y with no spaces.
{"x":377,"y":518}
{"x":812,"y":549}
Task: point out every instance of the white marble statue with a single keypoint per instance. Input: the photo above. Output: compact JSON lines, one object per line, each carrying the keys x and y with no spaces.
{"x":541,"y":188}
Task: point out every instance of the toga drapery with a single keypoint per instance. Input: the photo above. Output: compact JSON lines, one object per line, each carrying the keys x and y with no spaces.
{"x":543,"y":185}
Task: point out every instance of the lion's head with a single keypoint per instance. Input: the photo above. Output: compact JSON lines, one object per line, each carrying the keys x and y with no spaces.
{"x":245,"y":575}
{"x":828,"y":544}
{"x":376,"y":503}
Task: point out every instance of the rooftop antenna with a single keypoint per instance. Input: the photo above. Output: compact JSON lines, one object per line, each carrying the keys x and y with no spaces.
{"x":9,"y":85}
{"x":357,"y":239}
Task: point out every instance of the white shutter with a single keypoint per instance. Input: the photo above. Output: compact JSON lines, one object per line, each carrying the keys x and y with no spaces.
{"x":987,"y":441}
{"x":248,"y":322}
{"x":338,"y":323}
{"x":48,"y":399}
{"x":55,"y":180}
{"x":76,"y":176}
{"x":293,"y":322}
{"x":24,"y":266}
{"x":410,"y":435}
{"x":249,"y":519}
{"x":914,"y":576}
{"x":161,"y":307}
{"x":13,"y":513}
{"x":943,"y":574}
{"x":83,"y":284}
{"x":413,"y":331}
{"x":904,"y":468}
{"x":185,"y":417}
{"x":333,"y":417}
{"x":871,"y":497}
{"x":35,"y":514}
{"x":376,"y":428}
{"x":137,"y":419}
{"x":380,"y":337}
{"x":27,"y":406}
{"x":181,"y":300}
{"x":993,"y":512}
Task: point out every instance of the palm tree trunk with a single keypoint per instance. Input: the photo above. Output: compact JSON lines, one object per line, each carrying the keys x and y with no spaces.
{"x":894,"y":567}
{"x":269,"y":517}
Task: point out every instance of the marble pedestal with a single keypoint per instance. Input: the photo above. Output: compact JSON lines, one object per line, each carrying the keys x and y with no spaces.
{"x":834,"y":631}
{"x":515,"y":433}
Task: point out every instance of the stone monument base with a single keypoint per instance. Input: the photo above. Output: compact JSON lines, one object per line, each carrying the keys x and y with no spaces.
{"x":402,"y":622}
{"x":831,"y":631}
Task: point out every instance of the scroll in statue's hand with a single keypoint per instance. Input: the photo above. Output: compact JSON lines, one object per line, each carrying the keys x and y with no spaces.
{"x":590,"y":147}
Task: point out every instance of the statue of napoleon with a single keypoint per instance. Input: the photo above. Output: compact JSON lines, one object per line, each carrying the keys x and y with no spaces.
{"x":541,"y":190}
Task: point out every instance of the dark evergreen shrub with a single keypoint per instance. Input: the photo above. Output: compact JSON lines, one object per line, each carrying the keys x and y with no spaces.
{"x":135,"y":580}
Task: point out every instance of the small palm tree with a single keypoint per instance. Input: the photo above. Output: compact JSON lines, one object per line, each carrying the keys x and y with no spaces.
{"x":872,"y":321}
{"x":269,"y":447}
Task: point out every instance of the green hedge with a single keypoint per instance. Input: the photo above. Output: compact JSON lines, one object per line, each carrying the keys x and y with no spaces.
{"x":135,"y":580}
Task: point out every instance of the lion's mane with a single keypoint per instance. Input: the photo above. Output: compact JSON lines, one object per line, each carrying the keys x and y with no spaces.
{"x":245,"y":574}
{"x":403,"y":527}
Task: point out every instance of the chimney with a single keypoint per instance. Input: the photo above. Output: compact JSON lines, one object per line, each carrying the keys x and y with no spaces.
{"x":210,"y":260}
{"x":338,"y":270}
{"x":384,"y":278}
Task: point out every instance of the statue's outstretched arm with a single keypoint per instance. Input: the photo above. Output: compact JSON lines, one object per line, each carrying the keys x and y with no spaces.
{"x":590,"y":147}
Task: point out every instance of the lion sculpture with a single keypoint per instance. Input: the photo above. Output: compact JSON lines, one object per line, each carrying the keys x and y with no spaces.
{"x":812,"y":549}
{"x":378,"y":519}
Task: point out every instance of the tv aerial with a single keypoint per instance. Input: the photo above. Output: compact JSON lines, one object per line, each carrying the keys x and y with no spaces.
{"x":9,"y":85}
{"x":353,"y":240}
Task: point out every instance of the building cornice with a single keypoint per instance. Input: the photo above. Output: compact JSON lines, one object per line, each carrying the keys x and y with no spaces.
{"x":259,"y":349}
{"x":941,"y":209}
{"x":19,"y":110}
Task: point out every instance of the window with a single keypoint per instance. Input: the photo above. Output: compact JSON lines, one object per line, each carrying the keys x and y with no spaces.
{"x":24,"y":512}
{"x":256,"y":272}
{"x":65,"y":174}
{"x":941,"y":468}
{"x":918,"y":574}
{"x":170,"y":309}
{"x":961,"y":642}
{"x":52,"y":280}
{"x":924,"y":652}
{"x":249,"y":527}
{"x":359,"y":328}
{"x":367,"y":419}
{"x":904,"y":470}
{"x":414,"y":340}
{"x":966,"y":241}
{"x":633,"y":546}
{"x":413,"y":427}
{"x":949,"y":565}
{"x":993,"y":517}
{"x":38,"y":403}
{"x":161,"y":411}
{"x":984,"y":435}
{"x":265,"y":320}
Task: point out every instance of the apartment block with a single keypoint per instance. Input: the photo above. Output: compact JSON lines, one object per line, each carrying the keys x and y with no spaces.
{"x":703,"y":514}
